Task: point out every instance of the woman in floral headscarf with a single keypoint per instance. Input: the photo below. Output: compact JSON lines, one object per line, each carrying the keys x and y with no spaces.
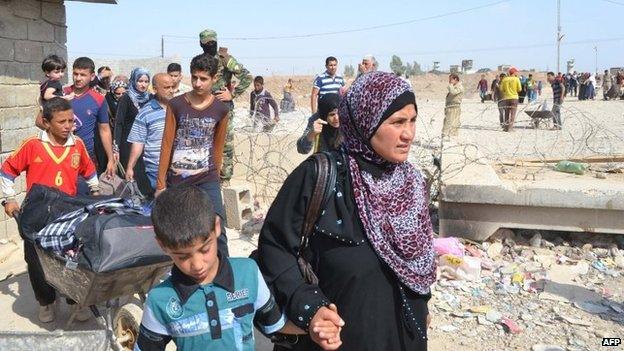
{"x":116,"y":90}
{"x":372,"y":244}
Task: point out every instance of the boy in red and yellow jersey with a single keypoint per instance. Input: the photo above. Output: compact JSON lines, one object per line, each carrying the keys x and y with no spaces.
{"x":55,"y":158}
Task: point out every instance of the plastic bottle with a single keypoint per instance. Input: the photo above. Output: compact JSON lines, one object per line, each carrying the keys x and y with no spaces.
{"x":571,"y":167}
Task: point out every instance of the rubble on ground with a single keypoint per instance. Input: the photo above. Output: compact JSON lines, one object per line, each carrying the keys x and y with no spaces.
{"x":529,"y":291}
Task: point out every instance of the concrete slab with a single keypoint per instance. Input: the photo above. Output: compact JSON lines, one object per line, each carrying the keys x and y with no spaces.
{"x":476,"y":201}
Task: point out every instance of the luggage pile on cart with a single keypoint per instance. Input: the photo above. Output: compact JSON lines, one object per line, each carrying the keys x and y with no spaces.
{"x":107,"y":258}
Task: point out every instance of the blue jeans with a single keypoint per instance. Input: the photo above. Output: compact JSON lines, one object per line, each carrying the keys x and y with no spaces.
{"x":213,"y":189}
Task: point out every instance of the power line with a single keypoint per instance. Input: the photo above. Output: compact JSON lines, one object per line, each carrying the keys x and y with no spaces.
{"x":437,"y":52}
{"x":362,"y":29}
{"x":614,"y":2}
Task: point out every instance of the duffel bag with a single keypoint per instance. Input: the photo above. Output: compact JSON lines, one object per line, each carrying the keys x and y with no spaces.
{"x":117,"y":240}
{"x":43,"y":205}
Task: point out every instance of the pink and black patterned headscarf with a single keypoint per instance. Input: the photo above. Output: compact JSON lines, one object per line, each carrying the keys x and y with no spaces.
{"x":393,"y":207}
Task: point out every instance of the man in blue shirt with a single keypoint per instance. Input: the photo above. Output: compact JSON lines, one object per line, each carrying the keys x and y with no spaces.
{"x":90,"y":112}
{"x":326,"y":83}
{"x":147,"y":131}
{"x":558,"y":93}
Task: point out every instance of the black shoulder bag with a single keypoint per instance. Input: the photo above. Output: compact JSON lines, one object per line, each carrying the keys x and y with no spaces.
{"x":326,"y":169}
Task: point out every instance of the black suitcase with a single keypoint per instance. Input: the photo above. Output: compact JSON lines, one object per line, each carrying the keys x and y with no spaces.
{"x":117,"y":240}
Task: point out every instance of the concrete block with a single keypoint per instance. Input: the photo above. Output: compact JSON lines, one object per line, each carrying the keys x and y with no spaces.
{"x":238,"y":206}
{"x":53,"y":12}
{"x":28,"y":51}
{"x":12,"y":27}
{"x":55,"y":48}
{"x":12,"y":138}
{"x":7,"y":49}
{"x":17,"y":117}
{"x":14,"y":73}
{"x":60,"y":34}
{"x":18,"y":95}
{"x":27,"y":8}
{"x":40,"y":31}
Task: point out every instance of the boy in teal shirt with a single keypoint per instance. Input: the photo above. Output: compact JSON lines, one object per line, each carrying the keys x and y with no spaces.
{"x":209,"y":302}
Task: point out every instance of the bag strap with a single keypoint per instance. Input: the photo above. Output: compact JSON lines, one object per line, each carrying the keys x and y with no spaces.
{"x":326,"y":170}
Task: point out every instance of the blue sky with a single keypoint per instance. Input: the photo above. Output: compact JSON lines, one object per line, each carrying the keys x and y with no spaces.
{"x":521,"y":33}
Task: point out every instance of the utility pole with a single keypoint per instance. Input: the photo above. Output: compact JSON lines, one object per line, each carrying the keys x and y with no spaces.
{"x":559,"y":36}
{"x":596,"y":51}
{"x":162,"y":46}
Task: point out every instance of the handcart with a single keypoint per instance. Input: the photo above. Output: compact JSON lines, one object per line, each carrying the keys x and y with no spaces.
{"x":116,"y":292}
{"x":540,"y":117}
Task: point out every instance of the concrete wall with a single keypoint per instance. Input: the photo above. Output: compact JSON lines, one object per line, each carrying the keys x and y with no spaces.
{"x":125,"y":66}
{"x":29,"y":30}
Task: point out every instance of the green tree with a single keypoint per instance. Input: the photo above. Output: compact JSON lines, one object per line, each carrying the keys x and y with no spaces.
{"x":416,"y":70}
{"x":396,"y":65}
{"x":408,"y":69}
{"x":349,"y":71}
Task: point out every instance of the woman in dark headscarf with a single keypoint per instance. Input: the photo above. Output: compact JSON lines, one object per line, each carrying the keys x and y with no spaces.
{"x":115,"y":92}
{"x":128,"y":107}
{"x":322,"y":129}
{"x":372,"y":245}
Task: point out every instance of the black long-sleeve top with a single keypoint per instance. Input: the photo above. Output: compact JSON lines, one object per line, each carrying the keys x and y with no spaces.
{"x":126,"y":113}
{"x":367,"y":293}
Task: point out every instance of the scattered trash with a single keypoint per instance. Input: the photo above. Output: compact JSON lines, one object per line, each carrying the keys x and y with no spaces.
{"x":494,"y":250}
{"x":450,"y":245}
{"x":463,"y":268}
{"x":532,"y":286}
{"x":571,"y":167}
{"x":543,"y":347}
{"x":493,"y":316}
{"x":448,"y":328}
{"x":582,"y":268}
{"x":510,"y":326}
{"x":483,"y":321}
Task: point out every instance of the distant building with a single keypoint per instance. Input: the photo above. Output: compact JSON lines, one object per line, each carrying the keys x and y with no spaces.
{"x":504,"y":68}
{"x":467,"y":66}
{"x":455,"y":69}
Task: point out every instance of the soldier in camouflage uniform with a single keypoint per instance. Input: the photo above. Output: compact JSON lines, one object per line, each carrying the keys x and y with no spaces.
{"x":228,"y":67}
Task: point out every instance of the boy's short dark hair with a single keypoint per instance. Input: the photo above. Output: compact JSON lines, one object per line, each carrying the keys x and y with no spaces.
{"x":174,"y":67}
{"x":53,"y":62}
{"x":84,"y":63}
{"x":55,"y":104}
{"x":330,"y":59}
{"x":454,"y":76}
{"x":103,"y":68}
{"x":182,"y":215}
{"x":205,"y":63}
{"x":259,"y":80}
{"x":550,"y":74}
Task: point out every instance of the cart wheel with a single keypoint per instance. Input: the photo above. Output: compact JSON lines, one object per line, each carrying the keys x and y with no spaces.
{"x":126,"y":325}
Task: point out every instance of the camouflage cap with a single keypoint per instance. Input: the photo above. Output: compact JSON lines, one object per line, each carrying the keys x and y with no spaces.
{"x":207,"y":35}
